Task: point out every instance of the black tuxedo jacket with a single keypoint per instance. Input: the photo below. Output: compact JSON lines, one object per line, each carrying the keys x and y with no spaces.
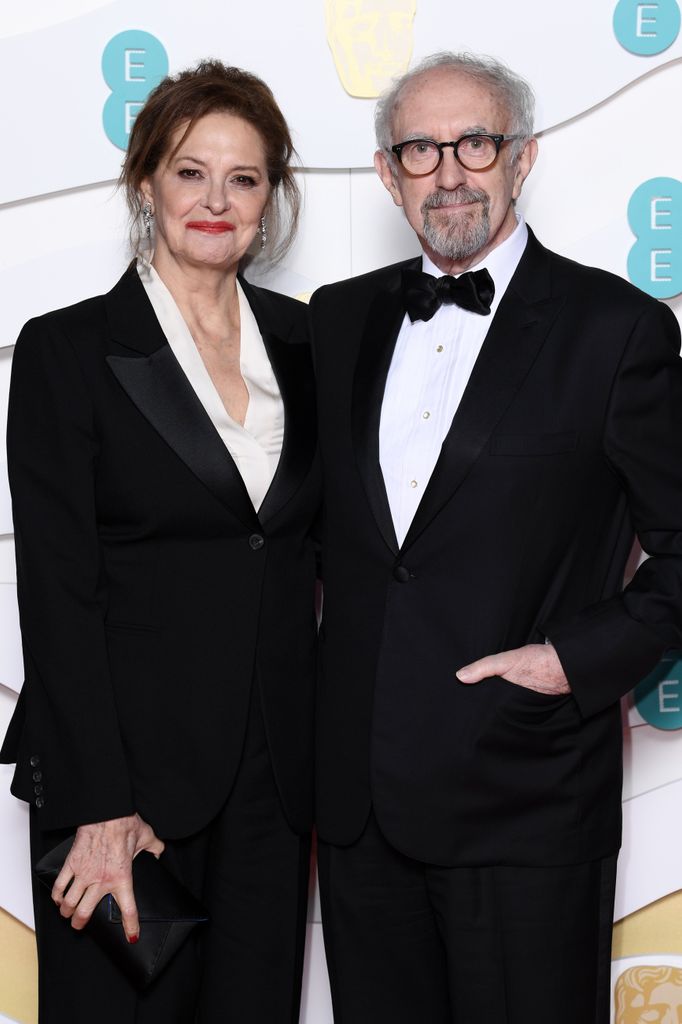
{"x":151,"y":593}
{"x":567,"y":440}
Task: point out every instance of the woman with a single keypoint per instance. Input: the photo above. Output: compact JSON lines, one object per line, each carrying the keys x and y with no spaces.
{"x":161,"y":446}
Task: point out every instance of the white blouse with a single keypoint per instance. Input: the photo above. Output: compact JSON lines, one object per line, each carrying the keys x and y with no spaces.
{"x":256,"y":446}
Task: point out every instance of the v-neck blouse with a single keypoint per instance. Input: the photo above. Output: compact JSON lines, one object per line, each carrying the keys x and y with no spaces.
{"x":255,"y":447}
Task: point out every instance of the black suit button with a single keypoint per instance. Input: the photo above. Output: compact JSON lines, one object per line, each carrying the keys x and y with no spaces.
{"x":37,"y":790}
{"x":37,"y":776}
{"x":39,"y":802}
{"x":34,"y":761}
{"x":402,"y":574}
{"x":256,"y":541}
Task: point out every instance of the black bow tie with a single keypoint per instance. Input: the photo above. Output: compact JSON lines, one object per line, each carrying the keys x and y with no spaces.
{"x":423,"y":294}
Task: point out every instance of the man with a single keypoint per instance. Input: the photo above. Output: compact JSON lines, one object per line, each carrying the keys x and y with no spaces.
{"x":489,"y":447}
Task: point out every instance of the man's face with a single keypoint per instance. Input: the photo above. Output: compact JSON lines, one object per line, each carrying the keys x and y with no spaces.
{"x":459,"y":215}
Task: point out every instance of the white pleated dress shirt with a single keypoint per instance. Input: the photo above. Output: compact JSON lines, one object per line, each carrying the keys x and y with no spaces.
{"x":430,"y":369}
{"x":255,"y":447}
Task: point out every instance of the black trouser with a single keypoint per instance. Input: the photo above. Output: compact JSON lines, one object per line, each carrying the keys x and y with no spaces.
{"x":411,"y":943}
{"x":251,"y":872}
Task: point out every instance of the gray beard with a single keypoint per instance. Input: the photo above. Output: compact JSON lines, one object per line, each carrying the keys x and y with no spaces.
{"x":462,"y":236}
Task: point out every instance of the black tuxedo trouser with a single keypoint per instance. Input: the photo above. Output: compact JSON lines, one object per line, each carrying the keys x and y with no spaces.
{"x":411,"y":943}
{"x":251,"y":872}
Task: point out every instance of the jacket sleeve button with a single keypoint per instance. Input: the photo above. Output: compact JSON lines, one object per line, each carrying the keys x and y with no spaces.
{"x":37,"y":790}
{"x":37,"y":776}
{"x":256,"y":541}
{"x":39,"y":802}
{"x":34,"y":761}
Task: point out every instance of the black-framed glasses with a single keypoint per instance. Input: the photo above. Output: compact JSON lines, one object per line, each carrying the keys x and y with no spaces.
{"x":475,"y":152}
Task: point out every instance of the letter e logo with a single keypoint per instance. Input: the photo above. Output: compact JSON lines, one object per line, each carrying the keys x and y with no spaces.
{"x":133,"y":62}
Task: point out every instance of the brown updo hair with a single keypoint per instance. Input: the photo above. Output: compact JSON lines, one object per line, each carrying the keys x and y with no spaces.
{"x":185,"y":98}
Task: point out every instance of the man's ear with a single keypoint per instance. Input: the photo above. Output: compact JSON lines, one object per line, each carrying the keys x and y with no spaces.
{"x":384,"y":169}
{"x":524,"y":164}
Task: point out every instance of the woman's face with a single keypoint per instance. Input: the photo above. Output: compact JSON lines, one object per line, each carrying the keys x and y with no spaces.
{"x":208,"y":196}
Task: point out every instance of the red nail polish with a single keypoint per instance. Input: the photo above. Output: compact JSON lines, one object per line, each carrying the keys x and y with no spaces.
{"x":132,"y":939}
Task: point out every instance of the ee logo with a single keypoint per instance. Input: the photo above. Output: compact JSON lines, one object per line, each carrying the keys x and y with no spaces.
{"x":658,"y":698}
{"x":133,"y":62}
{"x":646,"y":28}
{"x":655,"y":216}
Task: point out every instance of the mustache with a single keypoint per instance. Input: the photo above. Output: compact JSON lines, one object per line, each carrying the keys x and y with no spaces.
{"x":461,"y":194}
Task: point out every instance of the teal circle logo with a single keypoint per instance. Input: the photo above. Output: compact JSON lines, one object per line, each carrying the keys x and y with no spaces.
{"x":658,"y":698}
{"x":646,"y":28}
{"x":655,"y":216}
{"x":133,"y":63}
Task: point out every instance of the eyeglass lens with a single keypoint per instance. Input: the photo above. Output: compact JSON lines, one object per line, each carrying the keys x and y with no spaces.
{"x":475,"y":152}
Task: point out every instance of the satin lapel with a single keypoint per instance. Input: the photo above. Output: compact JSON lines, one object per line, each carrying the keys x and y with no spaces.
{"x":380,"y":334}
{"x":517,"y":333}
{"x":292,"y":365}
{"x":157,"y":385}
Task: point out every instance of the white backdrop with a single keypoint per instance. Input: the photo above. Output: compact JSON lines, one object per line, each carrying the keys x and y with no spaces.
{"x":606,"y":74}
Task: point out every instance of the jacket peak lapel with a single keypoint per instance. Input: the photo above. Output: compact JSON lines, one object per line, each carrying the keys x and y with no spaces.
{"x":154,"y":381}
{"x":382,"y":326}
{"x":160,"y":390}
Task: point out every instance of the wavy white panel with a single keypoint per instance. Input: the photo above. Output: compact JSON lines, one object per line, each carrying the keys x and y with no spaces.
{"x":332,"y":129}
{"x":39,"y":14}
{"x":650,"y":865}
{"x":15,"y":879}
{"x":64,"y":248}
{"x":8,"y":570}
{"x":381,"y":235}
{"x":52,"y":223}
{"x":577,"y":195}
{"x":5,"y":367}
{"x":652,"y":758}
{"x":79,"y":272}
{"x":5,"y":502}
{"x":11,"y":663}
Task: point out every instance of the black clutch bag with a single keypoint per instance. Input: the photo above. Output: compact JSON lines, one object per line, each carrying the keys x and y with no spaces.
{"x":168,"y":913}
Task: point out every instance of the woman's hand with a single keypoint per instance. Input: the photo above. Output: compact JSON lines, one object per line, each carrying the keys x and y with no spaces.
{"x":100,"y":862}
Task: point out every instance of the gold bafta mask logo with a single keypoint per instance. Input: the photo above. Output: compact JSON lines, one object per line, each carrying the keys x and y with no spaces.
{"x":649,"y":995}
{"x":371,"y":41}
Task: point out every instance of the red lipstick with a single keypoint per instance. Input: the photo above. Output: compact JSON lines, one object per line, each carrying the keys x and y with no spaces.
{"x":210,"y":227}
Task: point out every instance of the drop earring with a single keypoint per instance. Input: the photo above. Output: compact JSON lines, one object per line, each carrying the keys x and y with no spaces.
{"x":147,"y":214}
{"x":263,"y":233}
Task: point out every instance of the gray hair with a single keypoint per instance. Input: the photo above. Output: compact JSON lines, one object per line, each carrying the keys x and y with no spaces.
{"x":513,"y":90}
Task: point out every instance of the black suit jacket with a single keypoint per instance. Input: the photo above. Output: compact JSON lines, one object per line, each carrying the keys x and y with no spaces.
{"x":151,"y":593}
{"x":567,"y":439}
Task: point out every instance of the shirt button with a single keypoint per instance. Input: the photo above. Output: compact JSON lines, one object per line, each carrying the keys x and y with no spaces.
{"x":256,"y":541}
{"x":413,"y":483}
{"x":425,"y":415}
{"x":439,"y":348}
